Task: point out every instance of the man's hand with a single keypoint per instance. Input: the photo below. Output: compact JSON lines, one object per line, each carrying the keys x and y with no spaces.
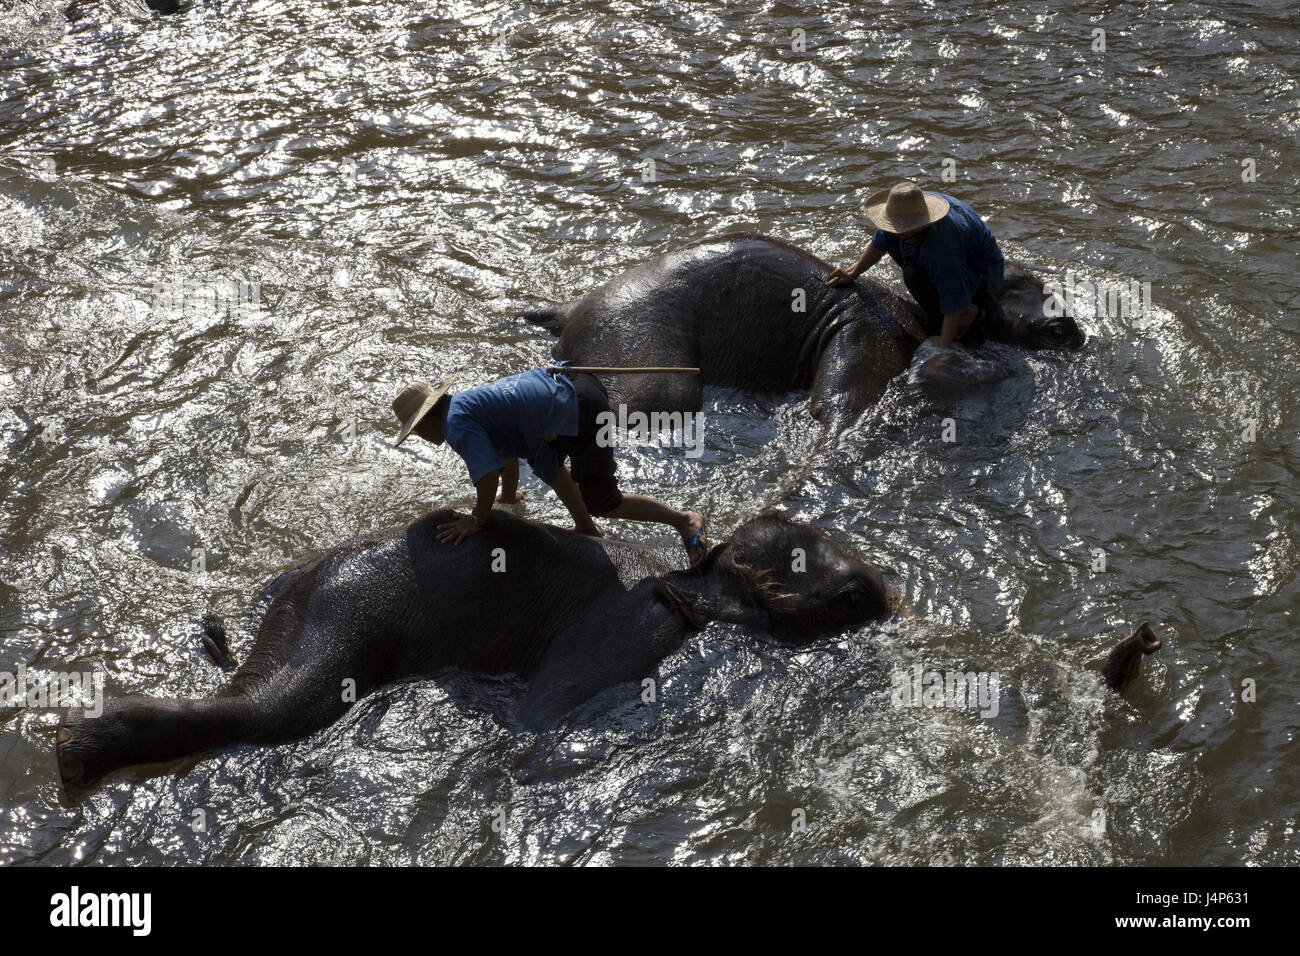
{"x":869,"y":258}
{"x":955,"y":323}
{"x":454,"y":532}
{"x":840,"y":276}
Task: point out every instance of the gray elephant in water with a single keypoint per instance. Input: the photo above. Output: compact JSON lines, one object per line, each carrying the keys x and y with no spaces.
{"x":77,"y":8}
{"x":755,"y":313}
{"x":572,"y":614}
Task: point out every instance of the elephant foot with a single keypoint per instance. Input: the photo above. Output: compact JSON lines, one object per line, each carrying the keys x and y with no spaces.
{"x":134,"y":730}
{"x":79,"y":752}
{"x":71,"y":769}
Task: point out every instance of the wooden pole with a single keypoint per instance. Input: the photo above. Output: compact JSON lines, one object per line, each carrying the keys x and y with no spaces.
{"x":606,"y":370}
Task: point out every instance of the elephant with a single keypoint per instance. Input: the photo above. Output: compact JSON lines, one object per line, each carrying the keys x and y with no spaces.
{"x":755,"y":313}
{"x":77,"y":8}
{"x":572,"y":615}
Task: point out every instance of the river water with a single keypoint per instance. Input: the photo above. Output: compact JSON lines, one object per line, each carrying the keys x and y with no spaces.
{"x":228,"y":235}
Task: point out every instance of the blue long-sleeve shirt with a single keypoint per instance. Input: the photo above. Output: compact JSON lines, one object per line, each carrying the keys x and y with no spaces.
{"x":513,"y":417}
{"x":958,"y":252}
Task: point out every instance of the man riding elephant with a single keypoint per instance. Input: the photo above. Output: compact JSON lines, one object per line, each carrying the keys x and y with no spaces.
{"x":570,"y":614}
{"x":757,"y":313}
{"x":545,"y":419}
{"x":951,"y":262}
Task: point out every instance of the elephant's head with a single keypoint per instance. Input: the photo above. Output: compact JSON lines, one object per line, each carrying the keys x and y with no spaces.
{"x":784,"y":577}
{"x":1027,"y":314}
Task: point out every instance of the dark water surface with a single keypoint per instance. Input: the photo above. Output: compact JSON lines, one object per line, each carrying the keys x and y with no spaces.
{"x":391,"y":184}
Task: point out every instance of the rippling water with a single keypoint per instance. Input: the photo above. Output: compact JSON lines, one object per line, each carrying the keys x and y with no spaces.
{"x":376,"y":191}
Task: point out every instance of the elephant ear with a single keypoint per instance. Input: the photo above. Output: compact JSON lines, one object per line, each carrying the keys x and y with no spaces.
{"x":679,"y":602}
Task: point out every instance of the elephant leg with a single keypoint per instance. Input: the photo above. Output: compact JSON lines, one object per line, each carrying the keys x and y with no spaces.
{"x":136,"y":730}
{"x":854,"y":370}
{"x":660,"y":392}
{"x":141,"y":730}
{"x":621,"y":642}
{"x":275,"y":697}
{"x":852,"y":374}
{"x":577,"y":669}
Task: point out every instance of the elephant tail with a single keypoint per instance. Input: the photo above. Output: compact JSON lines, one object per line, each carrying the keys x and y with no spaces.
{"x":214,"y":640}
{"x":552,"y":319}
{"x":1125,"y":660}
{"x":212,"y":629}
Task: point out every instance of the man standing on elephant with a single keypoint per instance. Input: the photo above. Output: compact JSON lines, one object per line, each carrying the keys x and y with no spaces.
{"x":951,"y":262}
{"x":545,"y":419}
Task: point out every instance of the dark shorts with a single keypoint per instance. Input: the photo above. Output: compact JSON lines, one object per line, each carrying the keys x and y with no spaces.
{"x":921,"y":286}
{"x":591,"y":465}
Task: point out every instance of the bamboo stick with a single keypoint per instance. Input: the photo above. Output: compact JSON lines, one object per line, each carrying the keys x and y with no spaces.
{"x":607,"y":370}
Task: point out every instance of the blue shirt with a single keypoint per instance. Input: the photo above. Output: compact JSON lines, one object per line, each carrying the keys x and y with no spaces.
{"x":514,"y":417}
{"x":957,"y":252}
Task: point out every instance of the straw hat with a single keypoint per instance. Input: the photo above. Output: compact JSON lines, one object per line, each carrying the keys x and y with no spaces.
{"x":905,"y":207}
{"x":414,"y":401}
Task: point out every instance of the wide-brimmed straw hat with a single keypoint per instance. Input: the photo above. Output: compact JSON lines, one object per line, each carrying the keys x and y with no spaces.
{"x":414,"y":401}
{"x":905,"y":207}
